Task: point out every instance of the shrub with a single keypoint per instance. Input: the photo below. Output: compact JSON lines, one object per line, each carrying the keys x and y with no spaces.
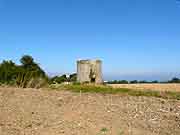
{"x":134,"y":81}
{"x":175,"y":80}
{"x":59,"y":79}
{"x":37,"y":83}
{"x":20,"y":75}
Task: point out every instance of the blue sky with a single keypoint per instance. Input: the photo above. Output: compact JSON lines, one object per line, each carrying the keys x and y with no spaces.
{"x":136,"y":39}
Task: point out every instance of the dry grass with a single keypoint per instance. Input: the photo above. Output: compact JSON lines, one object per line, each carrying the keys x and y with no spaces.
{"x":158,"y":87}
{"x":122,"y":91}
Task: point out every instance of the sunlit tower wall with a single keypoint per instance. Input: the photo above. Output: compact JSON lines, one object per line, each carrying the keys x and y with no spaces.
{"x":89,"y":71}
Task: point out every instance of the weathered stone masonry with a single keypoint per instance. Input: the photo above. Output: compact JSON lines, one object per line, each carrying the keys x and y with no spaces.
{"x":89,"y":71}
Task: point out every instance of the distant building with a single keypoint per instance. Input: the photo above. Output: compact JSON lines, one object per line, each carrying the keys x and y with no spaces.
{"x":89,"y":71}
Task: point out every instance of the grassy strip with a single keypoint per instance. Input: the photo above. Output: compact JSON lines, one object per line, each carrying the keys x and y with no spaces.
{"x":125,"y":91}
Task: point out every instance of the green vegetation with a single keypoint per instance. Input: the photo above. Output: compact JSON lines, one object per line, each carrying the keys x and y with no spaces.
{"x":173,"y":80}
{"x":130,"y":82}
{"x":118,"y":82}
{"x":63,"y":78}
{"x":103,"y":131}
{"x":28,"y":74}
{"x":58,"y":79}
{"x":73,"y":77}
{"x":123,"y":91}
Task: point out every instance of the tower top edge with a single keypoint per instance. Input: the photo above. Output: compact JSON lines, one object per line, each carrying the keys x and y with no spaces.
{"x":89,"y":60}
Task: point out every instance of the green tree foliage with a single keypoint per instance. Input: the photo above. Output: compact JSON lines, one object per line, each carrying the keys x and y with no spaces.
{"x":59,"y":79}
{"x":143,"y":81}
{"x":20,"y":75}
{"x":8,"y":71}
{"x":134,"y":81}
{"x":175,"y":80}
{"x":27,"y":61}
{"x":29,"y":65}
{"x":131,"y":82}
{"x":64,"y":78}
{"x":155,"y":81}
{"x":118,"y":82}
{"x":73,"y":77}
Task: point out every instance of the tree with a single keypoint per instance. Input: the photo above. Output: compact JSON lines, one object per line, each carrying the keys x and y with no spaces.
{"x":8,"y":71}
{"x":73,"y":77}
{"x":123,"y":82}
{"x":29,"y":65}
{"x":59,"y":79}
{"x":143,"y":81}
{"x":118,"y":82}
{"x":175,"y":80}
{"x":27,"y":61}
{"x":21,"y":75}
{"x":134,"y":81}
{"x":155,"y":81}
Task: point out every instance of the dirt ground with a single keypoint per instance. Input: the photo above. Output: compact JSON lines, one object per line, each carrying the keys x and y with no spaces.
{"x":159,"y":87}
{"x":51,"y":112}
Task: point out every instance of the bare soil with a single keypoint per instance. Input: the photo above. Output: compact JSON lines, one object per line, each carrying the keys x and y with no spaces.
{"x":52,"y":112}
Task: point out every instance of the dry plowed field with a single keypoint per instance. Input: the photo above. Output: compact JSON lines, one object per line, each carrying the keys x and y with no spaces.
{"x":158,"y":87}
{"x":52,"y":112}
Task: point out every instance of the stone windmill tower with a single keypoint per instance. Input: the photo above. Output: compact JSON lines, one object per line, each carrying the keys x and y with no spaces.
{"x":89,"y":71}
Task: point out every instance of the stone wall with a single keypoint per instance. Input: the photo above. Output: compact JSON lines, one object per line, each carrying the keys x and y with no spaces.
{"x":89,"y":71}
